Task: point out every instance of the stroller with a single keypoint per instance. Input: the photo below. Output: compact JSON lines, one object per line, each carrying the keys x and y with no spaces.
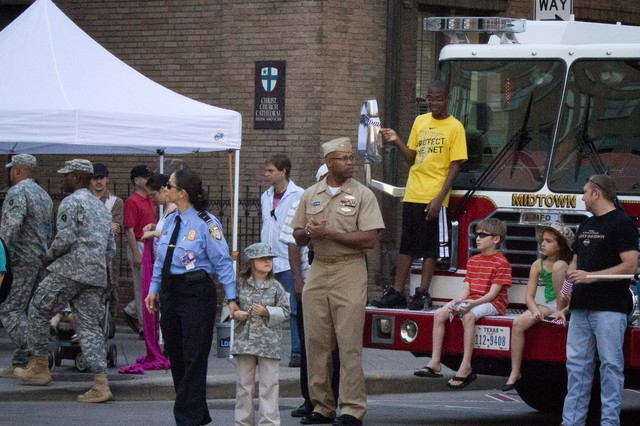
{"x":64,"y":344}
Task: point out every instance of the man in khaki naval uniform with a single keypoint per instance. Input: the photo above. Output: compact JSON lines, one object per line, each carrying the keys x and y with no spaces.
{"x":341,"y":219}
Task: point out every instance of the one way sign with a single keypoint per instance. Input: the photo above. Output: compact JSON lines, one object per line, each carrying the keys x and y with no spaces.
{"x":552,"y":10}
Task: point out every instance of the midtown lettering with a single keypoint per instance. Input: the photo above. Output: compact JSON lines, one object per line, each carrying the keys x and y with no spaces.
{"x":542,"y":200}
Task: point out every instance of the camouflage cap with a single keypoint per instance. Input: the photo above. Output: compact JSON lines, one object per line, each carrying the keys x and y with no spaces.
{"x":77,"y":165}
{"x":560,"y":229}
{"x":340,"y":144}
{"x":27,"y":160}
{"x":258,"y":250}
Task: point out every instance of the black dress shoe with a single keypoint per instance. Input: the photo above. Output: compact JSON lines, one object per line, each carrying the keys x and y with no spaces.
{"x":304,"y":410}
{"x":346,"y":419}
{"x":316,"y":419}
{"x":509,"y":386}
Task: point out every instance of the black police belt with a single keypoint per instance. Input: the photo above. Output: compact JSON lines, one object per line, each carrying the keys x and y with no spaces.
{"x":190,"y":277}
{"x":336,"y":259}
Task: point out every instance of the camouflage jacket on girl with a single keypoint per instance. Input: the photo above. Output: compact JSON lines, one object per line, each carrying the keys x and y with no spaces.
{"x":258,"y":335}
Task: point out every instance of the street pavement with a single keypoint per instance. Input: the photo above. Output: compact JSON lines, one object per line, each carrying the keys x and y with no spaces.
{"x":385,"y":371}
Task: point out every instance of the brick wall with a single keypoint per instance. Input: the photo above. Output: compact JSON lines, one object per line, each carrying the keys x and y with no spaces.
{"x":335,"y":52}
{"x":207,"y":50}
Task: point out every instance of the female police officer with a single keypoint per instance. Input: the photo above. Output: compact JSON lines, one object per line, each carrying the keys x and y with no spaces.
{"x":194,"y":248}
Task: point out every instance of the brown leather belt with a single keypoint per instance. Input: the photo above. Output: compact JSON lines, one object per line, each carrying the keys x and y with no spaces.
{"x":337,"y":259}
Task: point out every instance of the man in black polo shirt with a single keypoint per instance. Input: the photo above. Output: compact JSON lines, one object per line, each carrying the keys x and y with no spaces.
{"x":606,"y":244}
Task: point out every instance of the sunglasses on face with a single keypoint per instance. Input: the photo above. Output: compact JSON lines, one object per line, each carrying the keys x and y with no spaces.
{"x":484,"y":235}
{"x":171,"y":185}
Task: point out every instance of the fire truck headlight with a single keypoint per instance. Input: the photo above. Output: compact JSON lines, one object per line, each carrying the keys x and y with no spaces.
{"x":385,"y":326}
{"x":382,"y":329}
{"x":408,"y":331}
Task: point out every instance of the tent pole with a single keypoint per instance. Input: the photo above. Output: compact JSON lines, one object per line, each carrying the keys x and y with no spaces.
{"x":234,"y":203}
{"x":235,"y":184}
{"x":161,"y":170}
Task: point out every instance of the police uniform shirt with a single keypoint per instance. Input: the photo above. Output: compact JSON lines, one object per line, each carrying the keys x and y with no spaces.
{"x":200,"y":245}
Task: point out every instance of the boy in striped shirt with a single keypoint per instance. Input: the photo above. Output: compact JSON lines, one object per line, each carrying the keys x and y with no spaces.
{"x":484,"y":293}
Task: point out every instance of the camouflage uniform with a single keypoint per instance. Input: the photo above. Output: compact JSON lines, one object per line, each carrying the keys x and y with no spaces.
{"x":26,"y":229}
{"x":258,"y":336}
{"x":257,"y":344}
{"x":83,"y":246}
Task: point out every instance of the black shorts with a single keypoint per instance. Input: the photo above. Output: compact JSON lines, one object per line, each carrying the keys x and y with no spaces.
{"x":420,"y":237}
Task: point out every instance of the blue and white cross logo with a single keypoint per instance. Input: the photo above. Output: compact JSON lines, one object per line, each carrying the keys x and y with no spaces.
{"x":269,"y":78}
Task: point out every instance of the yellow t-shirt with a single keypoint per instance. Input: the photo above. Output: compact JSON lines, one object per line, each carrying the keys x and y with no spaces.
{"x":437,"y":143}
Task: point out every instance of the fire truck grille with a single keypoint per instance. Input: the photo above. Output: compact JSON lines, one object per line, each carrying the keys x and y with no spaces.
{"x":520,"y":246}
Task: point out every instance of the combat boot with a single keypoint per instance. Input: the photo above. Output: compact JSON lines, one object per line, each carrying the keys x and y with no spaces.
{"x":8,"y":373}
{"x":99,"y":392}
{"x":36,"y":372}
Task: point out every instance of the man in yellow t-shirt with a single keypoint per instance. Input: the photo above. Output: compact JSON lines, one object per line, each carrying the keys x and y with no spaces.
{"x":436,"y":149}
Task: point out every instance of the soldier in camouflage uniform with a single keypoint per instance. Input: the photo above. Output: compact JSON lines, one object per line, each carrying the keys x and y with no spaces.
{"x":26,"y":230}
{"x":77,"y":264}
{"x":264,"y":306}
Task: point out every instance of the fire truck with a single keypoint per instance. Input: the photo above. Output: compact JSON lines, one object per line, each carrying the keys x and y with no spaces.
{"x":545,"y":105}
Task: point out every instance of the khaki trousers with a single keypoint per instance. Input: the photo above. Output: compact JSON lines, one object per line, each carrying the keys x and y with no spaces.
{"x":334,"y":300}
{"x":134,"y":308}
{"x":268,"y":390}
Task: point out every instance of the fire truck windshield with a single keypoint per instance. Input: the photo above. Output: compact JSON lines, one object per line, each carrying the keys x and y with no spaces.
{"x":510,"y":111}
{"x":599,"y":127}
{"x":513,"y":109}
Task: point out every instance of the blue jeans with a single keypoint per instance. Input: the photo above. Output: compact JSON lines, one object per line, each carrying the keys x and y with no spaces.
{"x":286,"y":279}
{"x":590,"y":331}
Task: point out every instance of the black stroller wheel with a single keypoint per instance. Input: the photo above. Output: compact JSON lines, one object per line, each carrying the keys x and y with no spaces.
{"x":58,"y":357}
{"x":112,"y":356}
{"x":51,"y":359}
{"x":81,"y":363}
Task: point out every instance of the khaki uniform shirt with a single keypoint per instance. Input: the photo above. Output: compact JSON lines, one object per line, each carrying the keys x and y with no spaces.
{"x":353,"y":208}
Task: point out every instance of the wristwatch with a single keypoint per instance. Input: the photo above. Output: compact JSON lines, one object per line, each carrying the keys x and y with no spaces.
{"x":232,"y":300}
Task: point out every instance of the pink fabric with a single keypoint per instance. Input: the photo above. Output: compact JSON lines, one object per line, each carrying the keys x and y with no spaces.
{"x":154,"y":360}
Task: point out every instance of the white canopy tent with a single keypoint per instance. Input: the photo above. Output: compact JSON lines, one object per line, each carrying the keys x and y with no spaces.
{"x":63,"y":93}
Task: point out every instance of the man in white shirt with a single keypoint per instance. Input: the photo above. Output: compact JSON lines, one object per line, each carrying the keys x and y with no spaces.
{"x":275,"y":204}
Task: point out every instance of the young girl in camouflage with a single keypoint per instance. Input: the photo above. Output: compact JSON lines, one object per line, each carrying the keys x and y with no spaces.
{"x":264,"y":306}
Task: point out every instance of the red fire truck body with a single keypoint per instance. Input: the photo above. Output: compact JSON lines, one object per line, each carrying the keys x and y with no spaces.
{"x":543,"y":109}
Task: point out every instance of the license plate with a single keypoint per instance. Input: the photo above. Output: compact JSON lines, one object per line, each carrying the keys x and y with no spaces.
{"x":491,"y":337}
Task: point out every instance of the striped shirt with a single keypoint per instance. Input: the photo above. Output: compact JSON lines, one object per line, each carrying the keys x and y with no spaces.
{"x":484,"y":271}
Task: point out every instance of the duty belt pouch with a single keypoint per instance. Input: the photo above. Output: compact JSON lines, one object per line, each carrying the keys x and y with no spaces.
{"x":195,"y":276}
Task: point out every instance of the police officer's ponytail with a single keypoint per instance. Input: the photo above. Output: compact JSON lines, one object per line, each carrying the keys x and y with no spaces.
{"x":192,"y":185}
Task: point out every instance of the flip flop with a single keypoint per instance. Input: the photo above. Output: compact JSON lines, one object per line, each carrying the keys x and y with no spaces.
{"x":427,"y":371}
{"x":464,"y":381}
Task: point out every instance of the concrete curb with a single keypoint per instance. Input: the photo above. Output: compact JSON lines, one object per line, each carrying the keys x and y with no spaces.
{"x":161,"y":389}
